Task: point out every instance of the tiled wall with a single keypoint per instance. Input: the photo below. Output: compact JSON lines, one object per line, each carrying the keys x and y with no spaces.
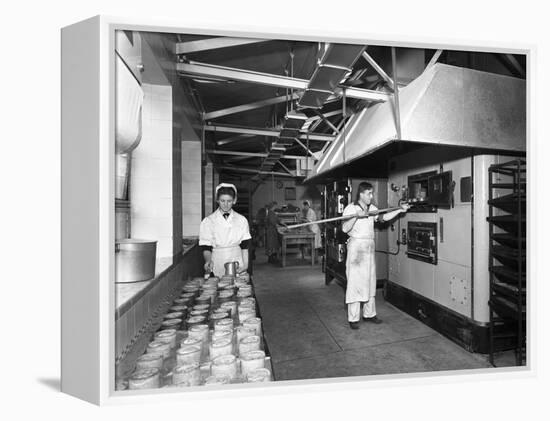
{"x":184,"y":131}
{"x":165,"y":186}
{"x":216,"y":182}
{"x":151,"y":174}
{"x":208,"y":188}
{"x":177,"y":210}
{"x":191,"y":187}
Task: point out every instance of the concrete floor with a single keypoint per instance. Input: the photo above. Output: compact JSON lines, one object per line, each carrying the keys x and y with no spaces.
{"x":308,"y":336}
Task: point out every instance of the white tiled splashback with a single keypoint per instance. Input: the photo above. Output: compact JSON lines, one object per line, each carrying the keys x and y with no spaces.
{"x":191,"y":187}
{"x":151,"y":174}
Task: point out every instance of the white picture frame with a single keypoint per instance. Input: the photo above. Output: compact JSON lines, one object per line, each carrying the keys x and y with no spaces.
{"x":87,"y":203}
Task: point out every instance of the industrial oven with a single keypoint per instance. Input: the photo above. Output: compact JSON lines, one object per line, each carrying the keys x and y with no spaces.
{"x":427,"y":258}
{"x":441,"y":273}
{"x":452,"y":253}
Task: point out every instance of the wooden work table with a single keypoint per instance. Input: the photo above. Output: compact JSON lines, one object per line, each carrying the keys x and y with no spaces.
{"x":299,"y":237}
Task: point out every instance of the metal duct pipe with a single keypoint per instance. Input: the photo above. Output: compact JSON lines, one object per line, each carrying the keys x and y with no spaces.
{"x":129,"y":109}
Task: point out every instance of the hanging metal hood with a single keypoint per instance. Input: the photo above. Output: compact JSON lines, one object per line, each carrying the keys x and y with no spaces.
{"x":445,"y":105}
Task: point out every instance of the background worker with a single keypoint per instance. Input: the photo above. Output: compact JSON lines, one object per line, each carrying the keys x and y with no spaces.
{"x":310,"y":216}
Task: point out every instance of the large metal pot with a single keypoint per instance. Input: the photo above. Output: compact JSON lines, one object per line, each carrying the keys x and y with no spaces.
{"x":134,"y":260}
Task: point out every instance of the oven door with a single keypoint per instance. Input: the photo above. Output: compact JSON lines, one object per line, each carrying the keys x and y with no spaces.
{"x":422,"y":241}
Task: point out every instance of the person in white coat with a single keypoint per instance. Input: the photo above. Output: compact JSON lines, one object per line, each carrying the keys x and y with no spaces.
{"x":360,"y":259}
{"x":310,"y":216}
{"x":224,"y":235}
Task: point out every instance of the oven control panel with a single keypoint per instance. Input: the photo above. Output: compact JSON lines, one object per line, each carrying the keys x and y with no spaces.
{"x":422,"y":241}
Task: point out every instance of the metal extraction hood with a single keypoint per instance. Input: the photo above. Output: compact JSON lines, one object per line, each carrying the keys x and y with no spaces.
{"x":445,"y":105}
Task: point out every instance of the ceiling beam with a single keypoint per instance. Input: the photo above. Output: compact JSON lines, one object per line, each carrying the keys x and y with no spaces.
{"x":306,"y":148}
{"x":366,"y":94}
{"x":284,"y":167}
{"x":342,"y":123}
{"x":251,"y":106}
{"x":327,"y":121}
{"x":253,"y":171}
{"x":229,"y":73}
{"x":233,"y":139}
{"x":378,"y":69}
{"x":313,"y":122}
{"x":237,"y":153}
{"x":238,"y":158}
{"x":324,"y":149}
{"x":264,"y":132}
{"x":512,"y":60}
{"x":434,"y":59}
{"x":317,"y":117}
{"x":213,"y":43}
{"x":397,"y":114}
{"x":251,"y":154}
{"x":196,"y":68}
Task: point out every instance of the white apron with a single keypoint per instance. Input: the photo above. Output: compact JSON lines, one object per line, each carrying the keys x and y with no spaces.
{"x":360,"y":270}
{"x":314,"y":227}
{"x":360,"y":258}
{"x":317,"y":231}
{"x":222,"y":255}
{"x":225,"y":237}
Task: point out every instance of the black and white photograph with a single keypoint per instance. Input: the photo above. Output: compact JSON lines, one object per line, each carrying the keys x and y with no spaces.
{"x":299,"y":209}
{"x":283,"y":210}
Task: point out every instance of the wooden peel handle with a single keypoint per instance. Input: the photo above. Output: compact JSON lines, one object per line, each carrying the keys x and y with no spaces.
{"x":338,"y":218}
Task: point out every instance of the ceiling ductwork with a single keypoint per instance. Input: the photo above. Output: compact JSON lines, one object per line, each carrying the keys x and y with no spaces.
{"x":335,"y":65}
{"x":288,"y":135}
{"x":294,"y":122}
{"x":333,"y":68}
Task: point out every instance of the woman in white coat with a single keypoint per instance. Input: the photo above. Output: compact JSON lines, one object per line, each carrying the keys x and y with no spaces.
{"x":310,"y":216}
{"x":224,"y":235}
{"x":360,"y":259}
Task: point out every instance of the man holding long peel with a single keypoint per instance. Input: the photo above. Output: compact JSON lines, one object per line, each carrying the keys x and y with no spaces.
{"x":359,"y":218}
{"x":360,"y":259}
